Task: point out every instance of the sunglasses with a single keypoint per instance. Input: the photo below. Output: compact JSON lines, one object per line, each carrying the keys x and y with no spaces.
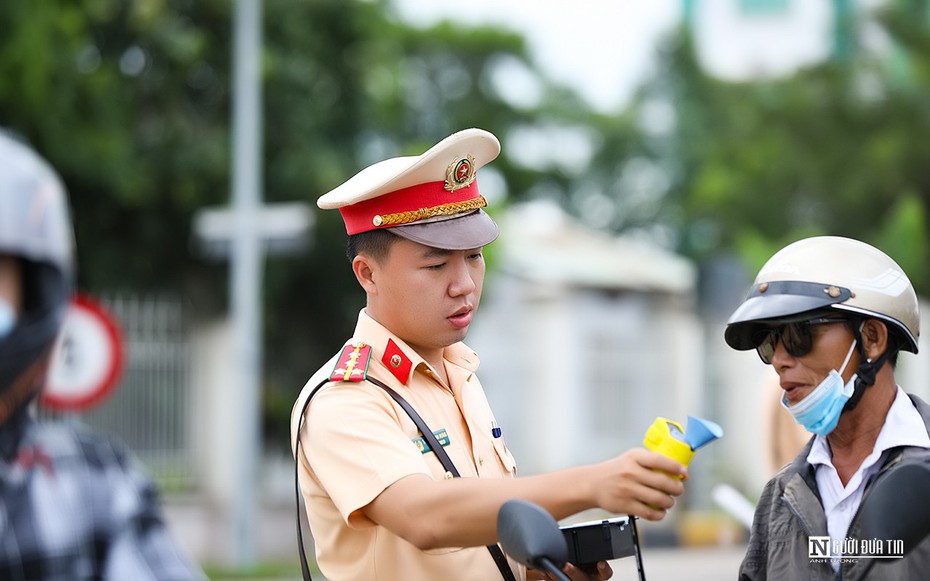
{"x":795,"y":337}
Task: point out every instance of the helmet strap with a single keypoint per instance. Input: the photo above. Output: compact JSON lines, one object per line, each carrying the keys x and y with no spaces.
{"x":865,"y":372}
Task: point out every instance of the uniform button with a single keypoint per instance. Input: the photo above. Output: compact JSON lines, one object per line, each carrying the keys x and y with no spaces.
{"x":480,"y":461}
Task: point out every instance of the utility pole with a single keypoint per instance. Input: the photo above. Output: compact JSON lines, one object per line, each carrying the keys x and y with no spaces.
{"x":246,"y":268}
{"x":245,"y":232}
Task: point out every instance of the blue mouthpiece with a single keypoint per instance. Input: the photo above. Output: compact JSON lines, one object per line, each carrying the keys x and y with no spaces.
{"x":700,"y":432}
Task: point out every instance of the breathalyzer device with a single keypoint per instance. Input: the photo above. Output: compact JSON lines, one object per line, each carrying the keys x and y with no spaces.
{"x":669,"y":439}
{"x":615,"y":538}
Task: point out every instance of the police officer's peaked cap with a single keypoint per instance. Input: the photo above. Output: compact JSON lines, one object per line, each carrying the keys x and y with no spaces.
{"x":431,"y":199}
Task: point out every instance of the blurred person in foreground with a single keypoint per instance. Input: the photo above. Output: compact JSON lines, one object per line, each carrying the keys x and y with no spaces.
{"x":380,"y":504}
{"x":73,"y":506}
{"x":830,"y":315}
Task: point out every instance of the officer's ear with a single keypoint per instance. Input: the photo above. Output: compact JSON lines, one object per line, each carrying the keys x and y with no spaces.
{"x":364,"y":268}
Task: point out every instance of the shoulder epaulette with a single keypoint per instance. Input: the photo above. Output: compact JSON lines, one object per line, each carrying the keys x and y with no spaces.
{"x":353,"y":363}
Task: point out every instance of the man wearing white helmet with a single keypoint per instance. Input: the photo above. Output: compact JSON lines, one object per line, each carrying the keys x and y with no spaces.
{"x":830,"y":315}
{"x":382,"y":504}
{"x":73,"y":505}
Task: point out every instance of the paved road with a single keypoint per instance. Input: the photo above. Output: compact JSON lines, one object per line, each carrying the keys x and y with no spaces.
{"x":660,"y":564}
{"x":683,"y":564}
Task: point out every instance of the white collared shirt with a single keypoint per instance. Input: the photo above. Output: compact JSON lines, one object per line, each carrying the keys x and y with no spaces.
{"x":903,"y":427}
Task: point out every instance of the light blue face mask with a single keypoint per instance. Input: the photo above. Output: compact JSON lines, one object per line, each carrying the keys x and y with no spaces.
{"x":820,"y":411}
{"x":7,"y":318}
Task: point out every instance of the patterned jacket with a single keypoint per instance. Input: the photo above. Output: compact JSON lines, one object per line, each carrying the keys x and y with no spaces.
{"x":74,"y":506}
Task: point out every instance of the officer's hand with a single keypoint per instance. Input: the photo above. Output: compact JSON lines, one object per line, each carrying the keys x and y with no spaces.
{"x":574,"y":573}
{"x":639,"y":482}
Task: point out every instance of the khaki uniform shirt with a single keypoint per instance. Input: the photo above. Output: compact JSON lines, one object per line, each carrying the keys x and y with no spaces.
{"x":356,"y":441}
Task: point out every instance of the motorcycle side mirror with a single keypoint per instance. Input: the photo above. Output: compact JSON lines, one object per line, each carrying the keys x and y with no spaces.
{"x":530,"y":535}
{"x":897,"y":508}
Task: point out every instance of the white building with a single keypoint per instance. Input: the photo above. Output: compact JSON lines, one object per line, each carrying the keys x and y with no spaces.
{"x":584,"y":339}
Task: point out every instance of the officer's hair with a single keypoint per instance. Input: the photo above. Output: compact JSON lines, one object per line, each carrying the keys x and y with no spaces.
{"x":374,"y":243}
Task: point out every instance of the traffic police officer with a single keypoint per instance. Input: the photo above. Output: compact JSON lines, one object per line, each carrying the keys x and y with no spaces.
{"x":380,"y":503}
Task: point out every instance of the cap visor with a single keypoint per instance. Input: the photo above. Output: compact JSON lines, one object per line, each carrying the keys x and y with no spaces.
{"x":757,"y":312}
{"x":469,"y":231}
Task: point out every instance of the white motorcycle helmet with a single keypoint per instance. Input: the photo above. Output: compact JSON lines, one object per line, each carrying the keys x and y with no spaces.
{"x":35,"y":229}
{"x":828,"y":273}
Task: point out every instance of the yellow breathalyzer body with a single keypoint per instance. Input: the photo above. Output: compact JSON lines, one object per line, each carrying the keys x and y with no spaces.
{"x":659,"y":438}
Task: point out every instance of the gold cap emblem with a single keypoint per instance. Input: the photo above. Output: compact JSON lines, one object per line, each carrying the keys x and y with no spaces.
{"x":460,"y":173}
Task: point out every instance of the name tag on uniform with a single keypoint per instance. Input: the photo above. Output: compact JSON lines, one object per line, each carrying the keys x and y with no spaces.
{"x":441,"y":436}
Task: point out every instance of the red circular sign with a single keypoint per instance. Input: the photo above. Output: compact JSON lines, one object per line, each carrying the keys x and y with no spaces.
{"x":87,"y":358}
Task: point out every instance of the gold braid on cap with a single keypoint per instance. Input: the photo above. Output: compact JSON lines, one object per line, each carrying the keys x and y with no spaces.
{"x":401,"y":218}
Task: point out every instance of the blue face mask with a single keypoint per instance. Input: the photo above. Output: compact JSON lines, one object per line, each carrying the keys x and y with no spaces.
{"x":820,"y":411}
{"x":7,"y":318}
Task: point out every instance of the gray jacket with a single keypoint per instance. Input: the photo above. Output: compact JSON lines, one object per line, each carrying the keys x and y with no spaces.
{"x":790,"y":511}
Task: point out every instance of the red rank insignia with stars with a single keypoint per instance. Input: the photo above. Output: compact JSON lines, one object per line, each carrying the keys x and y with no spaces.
{"x":353,"y":363}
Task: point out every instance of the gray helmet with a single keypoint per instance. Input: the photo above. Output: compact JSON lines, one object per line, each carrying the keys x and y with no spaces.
{"x":35,"y":228}
{"x":827,"y":273}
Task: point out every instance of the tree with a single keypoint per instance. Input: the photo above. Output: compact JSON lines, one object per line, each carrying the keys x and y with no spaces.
{"x":130,"y":101}
{"x":834,"y":149}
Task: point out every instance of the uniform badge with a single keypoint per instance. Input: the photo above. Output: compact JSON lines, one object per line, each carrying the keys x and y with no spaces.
{"x":396,"y":362}
{"x":442,"y":436}
{"x":353,"y":363}
{"x":460,"y":173}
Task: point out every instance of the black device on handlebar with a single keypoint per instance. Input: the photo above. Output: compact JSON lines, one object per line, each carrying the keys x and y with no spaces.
{"x":602,"y":540}
{"x":530,"y":535}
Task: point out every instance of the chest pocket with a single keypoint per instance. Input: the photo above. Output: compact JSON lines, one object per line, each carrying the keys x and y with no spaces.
{"x":505,"y":457}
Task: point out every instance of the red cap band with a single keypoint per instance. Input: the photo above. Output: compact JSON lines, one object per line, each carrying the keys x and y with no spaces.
{"x":410,"y":205}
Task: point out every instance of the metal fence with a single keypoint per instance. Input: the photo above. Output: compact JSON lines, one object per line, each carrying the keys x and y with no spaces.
{"x":149,"y":411}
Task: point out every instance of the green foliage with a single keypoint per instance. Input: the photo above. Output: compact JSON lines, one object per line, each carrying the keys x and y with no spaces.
{"x":260,"y":571}
{"x":86,"y":83}
{"x":130,"y":101}
{"x":834,"y":149}
{"x":903,"y":235}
